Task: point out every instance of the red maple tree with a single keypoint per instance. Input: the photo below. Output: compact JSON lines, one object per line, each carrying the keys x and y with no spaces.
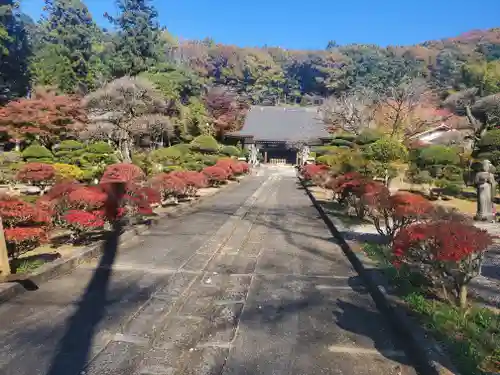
{"x":45,"y":116}
{"x":448,"y":252}
{"x":226,"y":109}
{"x":391,"y":213}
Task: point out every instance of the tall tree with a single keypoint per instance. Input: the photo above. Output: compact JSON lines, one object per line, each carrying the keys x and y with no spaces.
{"x":226,"y":109}
{"x":45,"y":117}
{"x":125,"y":109}
{"x":14,"y":51}
{"x":137,"y":41}
{"x":350,"y":113}
{"x":66,"y":57}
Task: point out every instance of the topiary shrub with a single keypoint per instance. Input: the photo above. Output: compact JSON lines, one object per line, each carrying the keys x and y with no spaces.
{"x":82,"y":222}
{"x":193,"y":166}
{"x":232,"y":151}
{"x":338,"y":142}
{"x":209,"y":160}
{"x":368,"y":136}
{"x":417,"y":176}
{"x":324,"y":150}
{"x":37,"y":153}
{"x":194,"y":181}
{"x":438,"y":155}
{"x":25,"y":225}
{"x":184,"y":148}
{"x":216,"y":175}
{"x":36,"y":174}
{"x":67,"y":172}
{"x":122,"y":172}
{"x":205,"y":143}
{"x":346,"y":136}
{"x":95,"y":159}
{"x":173,"y":168}
{"x":69,"y":151}
{"x":166,"y":156}
{"x":87,"y":198}
{"x":100,"y":147}
{"x":169,"y":185}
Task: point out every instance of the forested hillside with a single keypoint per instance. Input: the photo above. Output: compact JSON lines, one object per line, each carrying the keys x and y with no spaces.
{"x":206,"y":82}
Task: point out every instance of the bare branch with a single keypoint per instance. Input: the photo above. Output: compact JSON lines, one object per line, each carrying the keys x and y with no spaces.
{"x":349,"y":112}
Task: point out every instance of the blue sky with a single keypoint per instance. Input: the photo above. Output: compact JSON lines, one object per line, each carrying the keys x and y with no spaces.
{"x":310,"y":24}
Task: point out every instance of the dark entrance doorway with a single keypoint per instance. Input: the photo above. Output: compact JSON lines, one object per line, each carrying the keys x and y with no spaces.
{"x":280,"y":156}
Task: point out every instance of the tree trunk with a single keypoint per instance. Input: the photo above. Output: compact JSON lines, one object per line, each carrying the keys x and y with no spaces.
{"x":462,"y":296}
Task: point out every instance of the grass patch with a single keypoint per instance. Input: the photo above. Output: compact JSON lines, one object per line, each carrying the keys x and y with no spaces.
{"x":27,"y":265}
{"x":336,"y":209}
{"x":471,"y":337}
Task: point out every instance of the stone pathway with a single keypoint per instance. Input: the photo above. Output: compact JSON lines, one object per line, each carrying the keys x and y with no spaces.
{"x":249,"y":283}
{"x":487,"y":286}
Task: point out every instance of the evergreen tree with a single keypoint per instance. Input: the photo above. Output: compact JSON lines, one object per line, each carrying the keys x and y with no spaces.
{"x":14,"y":51}
{"x":66,"y":57}
{"x":136,"y":43}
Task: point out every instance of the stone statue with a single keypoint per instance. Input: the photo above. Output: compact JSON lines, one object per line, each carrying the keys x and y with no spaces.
{"x":486,"y":191}
{"x":304,"y":154}
{"x":254,"y":159}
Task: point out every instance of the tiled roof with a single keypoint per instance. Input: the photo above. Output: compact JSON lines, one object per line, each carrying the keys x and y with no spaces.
{"x":290,"y":124}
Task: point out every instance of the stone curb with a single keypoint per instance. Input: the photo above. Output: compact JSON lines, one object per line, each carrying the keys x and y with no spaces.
{"x":59,"y":267}
{"x":429,"y":357}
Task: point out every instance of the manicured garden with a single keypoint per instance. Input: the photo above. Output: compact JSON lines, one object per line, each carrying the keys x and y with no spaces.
{"x":61,"y":196}
{"x":430,"y":253}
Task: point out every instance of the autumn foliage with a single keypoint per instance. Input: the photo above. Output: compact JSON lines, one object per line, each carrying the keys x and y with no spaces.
{"x":310,"y":170}
{"x":448,"y":252}
{"x":216,"y":175}
{"x":169,"y":185}
{"x":47,"y":116}
{"x":122,"y":172}
{"x":26,"y":226}
{"x":36,"y":173}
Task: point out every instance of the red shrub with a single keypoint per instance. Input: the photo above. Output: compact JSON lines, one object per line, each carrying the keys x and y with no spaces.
{"x":82,"y":221}
{"x":153,"y":196}
{"x":168,"y":185}
{"x":87,"y":197}
{"x":308,"y":171}
{"x":22,"y":239}
{"x":36,"y":173}
{"x":193,"y":180}
{"x":137,"y":200}
{"x":229,"y":165}
{"x":216,"y":175}
{"x":245,"y":167}
{"x":61,"y":189}
{"x":122,"y":172}
{"x":449,"y":252}
{"x":16,"y":212}
{"x":391,"y":213}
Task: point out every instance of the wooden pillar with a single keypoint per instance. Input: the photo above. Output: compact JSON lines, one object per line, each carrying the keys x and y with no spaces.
{"x":4,"y":256}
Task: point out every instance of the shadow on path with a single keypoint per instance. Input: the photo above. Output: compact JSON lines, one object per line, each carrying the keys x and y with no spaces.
{"x":72,"y":352}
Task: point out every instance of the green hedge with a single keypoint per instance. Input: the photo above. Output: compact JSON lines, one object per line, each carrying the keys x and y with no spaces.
{"x":166,"y":156}
{"x":230,"y":151}
{"x":37,"y":153}
{"x":438,"y":155}
{"x":205,"y":143}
